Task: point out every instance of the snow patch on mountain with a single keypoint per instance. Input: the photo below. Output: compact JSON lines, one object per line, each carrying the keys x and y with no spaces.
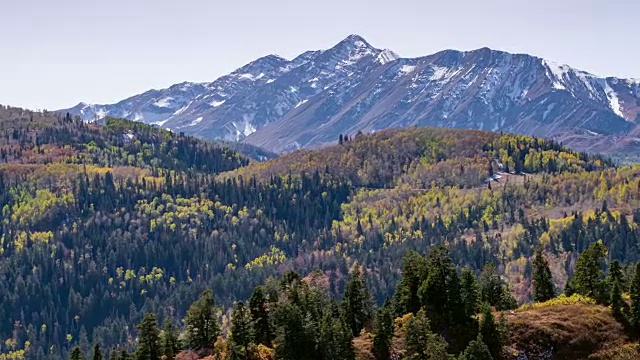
{"x":301,"y":103}
{"x":387,"y":56}
{"x":196,"y":121}
{"x":407,"y":69}
{"x":164,"y":102}
{"x":558,"y":73}
{"x":614,"y":102}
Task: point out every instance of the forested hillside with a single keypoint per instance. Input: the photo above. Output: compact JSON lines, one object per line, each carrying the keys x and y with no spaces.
{"x":102,"y":224}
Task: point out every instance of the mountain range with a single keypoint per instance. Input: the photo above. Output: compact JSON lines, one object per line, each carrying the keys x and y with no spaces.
{"x":283,"y":105}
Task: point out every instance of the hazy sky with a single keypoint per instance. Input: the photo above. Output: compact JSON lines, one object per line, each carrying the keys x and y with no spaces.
{"x":54,"y":54}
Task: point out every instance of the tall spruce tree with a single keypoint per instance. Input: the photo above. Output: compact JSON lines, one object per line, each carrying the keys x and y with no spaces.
{"x":491,"y":285}
{"x":169,"y":340}
{"x":615,"y":298}
{"x":202,"y":327}
{"x":470,"y":291}
{"x":634,"y":294}
{"x":490,"y":333}
{"x":588,"y":279}
{"x":356,"y":304}
{"x":242,"y":333}
{"x":440,"y":292}
{"x":420,"y":342}
{"x":414,"y":272}
{"x":383,"y":333}
{"x":543,"y":287}
{"x":148,"y":338}
{"x":258,"y":306}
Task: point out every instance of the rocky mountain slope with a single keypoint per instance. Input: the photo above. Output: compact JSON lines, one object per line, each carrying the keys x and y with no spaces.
{"x":282,"y":104}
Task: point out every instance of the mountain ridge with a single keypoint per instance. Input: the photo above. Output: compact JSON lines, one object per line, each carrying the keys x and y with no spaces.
{"x":283,"y":104}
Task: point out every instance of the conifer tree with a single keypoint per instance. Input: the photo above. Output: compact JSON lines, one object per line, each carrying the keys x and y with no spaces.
{"x":258,"y":306}
{"x":384,"y":333}
{"x":292,"y":338}
{"x":242,"y":334}
{"x":414,"y":272}
{"x":490,"y":333}
{"x":491,"y":285}
{"x":202,"y":326}
{"x":420,"y":342}
{"x":634,"y":293}
{"x":470,"y":291}
{"x":357,"y":302}
{"x":588,"y":277}
{"x":476,"y":350}
{"x":169,"y":340}
{"x":440,"y":292}
{"x":148,"y":339}
{"x":97,"y":353}
{"x":543,"y":287}
{"x":76,"y":354}
{"x":123,"y":355}
{"x":615,"y":298}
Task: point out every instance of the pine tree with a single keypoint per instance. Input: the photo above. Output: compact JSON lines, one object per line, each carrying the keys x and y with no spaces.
{"x":420,"y":343}
{"x":202,"y":326}
{"x":588,"y":277}
{"x":258,"y":305}
{"x":334,"y":340}
{"x":440,"y":292}
{"x":490,"y":333}
{"x":169,"y":340}
{"x":123,"y":355}
{"x":292,"y":338}
{"x":470,"y":291}
{"x":242,"y":334}
{"x":476,"y":350}
{"x":384,"y":333}
{"x":615,"y":274}
{"x":97,"y":353}
{"x":615,"y":298}
{"x":357,"y":302}
{"x":634,"y":293}
{"x":148,"y":339}
{"x":543,"y":287}
{"x":76,"y":354}
{"x":414,"y":272}
{"x":343,"y":348}
{"x":491,"y":285}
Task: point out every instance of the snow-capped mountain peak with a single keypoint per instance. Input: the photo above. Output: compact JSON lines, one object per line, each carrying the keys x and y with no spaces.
{"x":283,"y":104}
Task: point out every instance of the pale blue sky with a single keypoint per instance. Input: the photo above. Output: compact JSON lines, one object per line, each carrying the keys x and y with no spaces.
{"x":54,"y":54}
